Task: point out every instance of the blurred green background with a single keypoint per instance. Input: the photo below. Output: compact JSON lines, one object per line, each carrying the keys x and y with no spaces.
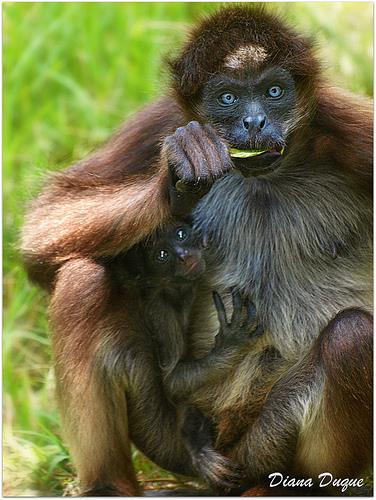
{"x":72,"y":73}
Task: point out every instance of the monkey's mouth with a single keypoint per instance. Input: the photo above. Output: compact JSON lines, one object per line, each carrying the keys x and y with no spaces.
{"x":250,"y":153}
{"x":260,"y":164}
{"x":276,"y":150}
{"x":193,"y":268}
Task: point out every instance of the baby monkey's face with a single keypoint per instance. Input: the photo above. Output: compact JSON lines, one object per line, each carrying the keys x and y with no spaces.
{"x":175,"y":254}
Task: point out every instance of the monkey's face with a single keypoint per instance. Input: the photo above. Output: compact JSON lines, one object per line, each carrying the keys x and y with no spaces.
{"x":252,"y":110}
{"x":175,"y":256}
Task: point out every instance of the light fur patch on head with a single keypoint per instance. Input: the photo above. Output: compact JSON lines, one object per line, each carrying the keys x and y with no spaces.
{"x":246,"y":55}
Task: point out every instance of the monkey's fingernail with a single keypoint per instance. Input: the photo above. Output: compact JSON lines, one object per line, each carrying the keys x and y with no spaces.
{"x":182,"y":186}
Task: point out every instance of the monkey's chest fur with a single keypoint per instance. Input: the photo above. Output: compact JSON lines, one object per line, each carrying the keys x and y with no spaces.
{"x":273,"y":238}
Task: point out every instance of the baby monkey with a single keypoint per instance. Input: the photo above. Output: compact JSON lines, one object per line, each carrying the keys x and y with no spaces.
{"x":167,"y":269}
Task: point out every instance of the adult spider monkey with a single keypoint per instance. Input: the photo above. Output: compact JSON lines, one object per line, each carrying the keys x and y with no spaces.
{"x":300,"y":401}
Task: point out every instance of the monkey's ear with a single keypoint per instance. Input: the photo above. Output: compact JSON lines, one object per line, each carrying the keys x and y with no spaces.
{"x":186,"y":74}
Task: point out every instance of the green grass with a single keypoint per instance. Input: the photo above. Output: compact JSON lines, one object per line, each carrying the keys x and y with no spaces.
{"x":72,"y":73}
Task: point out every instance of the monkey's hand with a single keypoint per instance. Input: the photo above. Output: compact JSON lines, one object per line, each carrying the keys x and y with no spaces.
{"x":231,"y":343}
{"x":243,"y":327}
{"x":196,"y":157}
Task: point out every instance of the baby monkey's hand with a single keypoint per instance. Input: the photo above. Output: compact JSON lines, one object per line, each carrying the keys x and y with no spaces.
{"x":243,"y":328}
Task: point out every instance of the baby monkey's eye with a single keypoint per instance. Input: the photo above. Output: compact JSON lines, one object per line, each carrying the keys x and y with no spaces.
{"x":162,"y":255}
{"x":227,"y":99}
{"x":181,"y":234}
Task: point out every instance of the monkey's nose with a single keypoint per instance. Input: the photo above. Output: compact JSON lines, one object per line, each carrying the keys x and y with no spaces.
{"x":256,"y":121}
{"x":187,"y":255}
{"x":182,"y":254}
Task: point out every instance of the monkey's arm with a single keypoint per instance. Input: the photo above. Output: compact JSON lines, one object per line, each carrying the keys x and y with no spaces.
{"x":107,"y":202}
{"x":123,"y":192}
{"x":233,"y":340}
{"x":93,"y":222}
{"x":339,"y":114}
{"x":188,"y":376}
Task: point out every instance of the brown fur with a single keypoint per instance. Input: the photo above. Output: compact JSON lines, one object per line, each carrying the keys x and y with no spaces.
{"x":231,"y":28}
{"x":274,"y":235}
{"x":84,"y":207}
{"x":83,"y":400}
{"x":346,"y":351}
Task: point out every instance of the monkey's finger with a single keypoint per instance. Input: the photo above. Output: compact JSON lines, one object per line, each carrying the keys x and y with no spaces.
{"x":251,"y":312}
{"x":200,"y":153}
{"x":221,"y":311}
{"x":222,"y":146}
{"x":176,"y":153}
{"x":215,"y":154}
{"x":194,"y":151}
{"x":258,"y":331}
{"x":248,"y":316}
{"x":205,"y":240}
{"x":223,"y":162}
{"x":237,"y":306}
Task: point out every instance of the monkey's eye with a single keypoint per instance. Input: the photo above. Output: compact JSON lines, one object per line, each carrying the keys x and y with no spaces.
{"x":181,"y":234}
{"x":275,"y":92}
{"x":162,"y":256}
{"x":227,"y":99}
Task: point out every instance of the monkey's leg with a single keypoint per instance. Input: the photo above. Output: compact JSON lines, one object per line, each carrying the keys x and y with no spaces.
{"x":319,"y":417}
{"x":339,"y":439}
{"x":94,"y":416}
{"x":99,"y":361}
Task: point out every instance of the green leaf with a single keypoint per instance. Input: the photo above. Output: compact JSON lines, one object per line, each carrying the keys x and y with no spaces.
{"x":245,"y":153}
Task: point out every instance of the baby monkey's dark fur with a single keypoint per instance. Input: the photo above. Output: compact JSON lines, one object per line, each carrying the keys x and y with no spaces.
{"x":165,"y":269}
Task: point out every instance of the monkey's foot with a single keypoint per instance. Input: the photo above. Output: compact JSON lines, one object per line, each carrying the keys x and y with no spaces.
{"x":218,"y":471}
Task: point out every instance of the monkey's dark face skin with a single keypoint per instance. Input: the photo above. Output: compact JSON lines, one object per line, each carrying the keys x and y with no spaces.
{"x":252,"y":110}
{"x":172,"y":257}
{"x":171,"y":260}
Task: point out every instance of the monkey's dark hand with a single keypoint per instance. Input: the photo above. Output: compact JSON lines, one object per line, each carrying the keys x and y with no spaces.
{"x":196,"y":157}
{"x":242,"y":329}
